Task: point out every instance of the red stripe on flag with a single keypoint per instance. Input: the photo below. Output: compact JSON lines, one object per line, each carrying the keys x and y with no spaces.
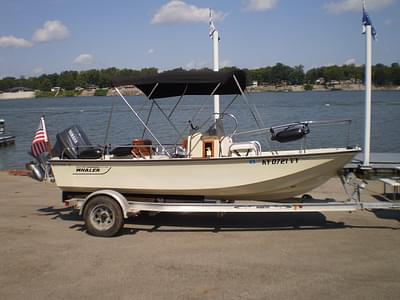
{"x":39,"y":143}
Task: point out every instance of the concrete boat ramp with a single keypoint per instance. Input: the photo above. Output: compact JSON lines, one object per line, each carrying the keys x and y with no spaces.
{"x":45,"y":252}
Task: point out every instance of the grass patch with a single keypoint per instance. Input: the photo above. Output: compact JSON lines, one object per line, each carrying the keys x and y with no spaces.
{"x":308,"y":87}
{"x":44,"y":94}
{"x":101,"y":92}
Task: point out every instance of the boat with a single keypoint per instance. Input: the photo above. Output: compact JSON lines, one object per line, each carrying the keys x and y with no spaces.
{"x":5,"y":139}
{"x":203,"y":163}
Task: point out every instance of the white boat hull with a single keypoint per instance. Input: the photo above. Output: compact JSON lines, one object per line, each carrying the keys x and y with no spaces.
{"x":266,"y":177}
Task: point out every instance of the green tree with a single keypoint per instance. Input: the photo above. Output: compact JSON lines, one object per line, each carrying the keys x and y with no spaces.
{"x":280,"y":73}
{"x":296,"y":75}
{"x":67,"y":80}
{"x":45,"y":84}
{"x":395,"y":73}
{"x":381,"y":74}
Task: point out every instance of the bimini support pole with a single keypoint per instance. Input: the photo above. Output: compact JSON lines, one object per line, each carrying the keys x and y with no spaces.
{"x":256,"y":115}
{"x":141,"y":121}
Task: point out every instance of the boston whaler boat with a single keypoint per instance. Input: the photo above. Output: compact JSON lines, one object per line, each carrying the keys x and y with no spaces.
{"x":204,"y":171}
{"x":209,"y":164}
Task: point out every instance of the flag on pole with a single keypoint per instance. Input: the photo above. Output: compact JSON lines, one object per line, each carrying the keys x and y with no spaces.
{"x":211,"y":27}
{"x":367,"y":21}
{"x":40,"y":141}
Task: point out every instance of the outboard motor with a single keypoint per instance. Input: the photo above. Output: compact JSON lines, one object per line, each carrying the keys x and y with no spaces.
{"x":37,"y":171}
{"x":289,"y":133}
{"x":41,"y":168}
{"x":73,"y":143}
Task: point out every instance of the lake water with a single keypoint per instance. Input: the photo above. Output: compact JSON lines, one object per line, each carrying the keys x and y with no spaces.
{"x":92,"y":114}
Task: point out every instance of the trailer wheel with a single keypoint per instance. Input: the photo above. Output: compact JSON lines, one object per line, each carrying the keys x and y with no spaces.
{"x":103,"y":216}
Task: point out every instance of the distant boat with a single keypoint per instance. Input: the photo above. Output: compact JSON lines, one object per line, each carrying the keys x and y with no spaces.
{"x":5,"y":139}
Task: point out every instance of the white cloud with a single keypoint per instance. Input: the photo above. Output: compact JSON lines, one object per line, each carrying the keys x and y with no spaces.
{"x":259,"y":5}
{"x":196,"y":65}
{"x":51,"y":30}
{"x":350,"y":61}
{"x":338,"y":7}
{"x":329,"y":64}
{"x":84,"y":59}
{"x":225,"y":63}
{"x":12,"y":41}
{"x":177,"y":11}
{"x":38,"y":71}
{"x":150,"y":51}
{"x":201,"y":64}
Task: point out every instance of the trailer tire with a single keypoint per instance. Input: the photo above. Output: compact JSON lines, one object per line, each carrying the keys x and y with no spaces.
{"x":103,"y":216}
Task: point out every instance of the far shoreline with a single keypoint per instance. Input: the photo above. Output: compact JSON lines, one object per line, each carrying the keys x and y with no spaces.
{"x":133,"y":91}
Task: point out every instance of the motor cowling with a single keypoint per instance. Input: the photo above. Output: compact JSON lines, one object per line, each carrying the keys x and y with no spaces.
{"x":73,"y":143}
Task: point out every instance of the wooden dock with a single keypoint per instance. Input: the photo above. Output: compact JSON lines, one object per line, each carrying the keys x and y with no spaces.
{"x":381,"y":165}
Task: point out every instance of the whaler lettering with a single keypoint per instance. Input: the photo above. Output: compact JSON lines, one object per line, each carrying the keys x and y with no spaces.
{"x":280,"y":161}
{"x":91,"y":170}
{"x":88,"y":170}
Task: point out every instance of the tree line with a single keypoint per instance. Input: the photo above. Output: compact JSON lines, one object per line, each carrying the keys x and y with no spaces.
{"x":382,"y":75}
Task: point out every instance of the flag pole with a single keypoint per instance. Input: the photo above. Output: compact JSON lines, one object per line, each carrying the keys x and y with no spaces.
{"x":216,"y":69}
{"x":46,"y":137}
{"x":368,"y":87}
{"x":44,"y":128}
{"x":215,"y":38}
{"x":370,"y":33}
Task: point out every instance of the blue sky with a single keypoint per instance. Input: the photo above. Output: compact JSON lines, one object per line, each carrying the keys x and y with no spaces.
{"x":47,"y":36}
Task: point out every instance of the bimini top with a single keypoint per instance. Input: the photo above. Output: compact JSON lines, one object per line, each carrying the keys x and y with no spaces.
{"x":177,"y":83}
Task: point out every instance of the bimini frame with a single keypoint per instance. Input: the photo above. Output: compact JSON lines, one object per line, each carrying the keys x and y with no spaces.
{"x":189,"y":83}
{"x":182,"y":83}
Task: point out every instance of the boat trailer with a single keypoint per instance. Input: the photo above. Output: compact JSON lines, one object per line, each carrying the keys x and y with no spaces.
{"x":104,"y":211}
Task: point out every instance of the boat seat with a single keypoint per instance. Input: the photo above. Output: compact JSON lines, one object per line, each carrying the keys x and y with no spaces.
{"x":121,"y":151}
{"x":224,"y":146}
{"x":251,"y":148}
{"x":142,"y":148}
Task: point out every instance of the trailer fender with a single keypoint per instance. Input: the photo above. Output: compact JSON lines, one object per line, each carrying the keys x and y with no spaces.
{"x":119,"y":198}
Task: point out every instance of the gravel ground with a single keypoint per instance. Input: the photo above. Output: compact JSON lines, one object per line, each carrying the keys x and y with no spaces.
{"x":46,"y":253}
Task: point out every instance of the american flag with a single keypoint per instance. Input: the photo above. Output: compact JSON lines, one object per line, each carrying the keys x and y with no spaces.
{"x":40,"y":141}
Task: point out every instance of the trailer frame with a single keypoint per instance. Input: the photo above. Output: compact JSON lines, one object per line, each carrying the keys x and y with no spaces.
{"x":107,"y":220}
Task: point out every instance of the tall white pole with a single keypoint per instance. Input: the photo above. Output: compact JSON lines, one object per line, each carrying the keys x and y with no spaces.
{"x":215,"y":38}
{"x":368,"y":83}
